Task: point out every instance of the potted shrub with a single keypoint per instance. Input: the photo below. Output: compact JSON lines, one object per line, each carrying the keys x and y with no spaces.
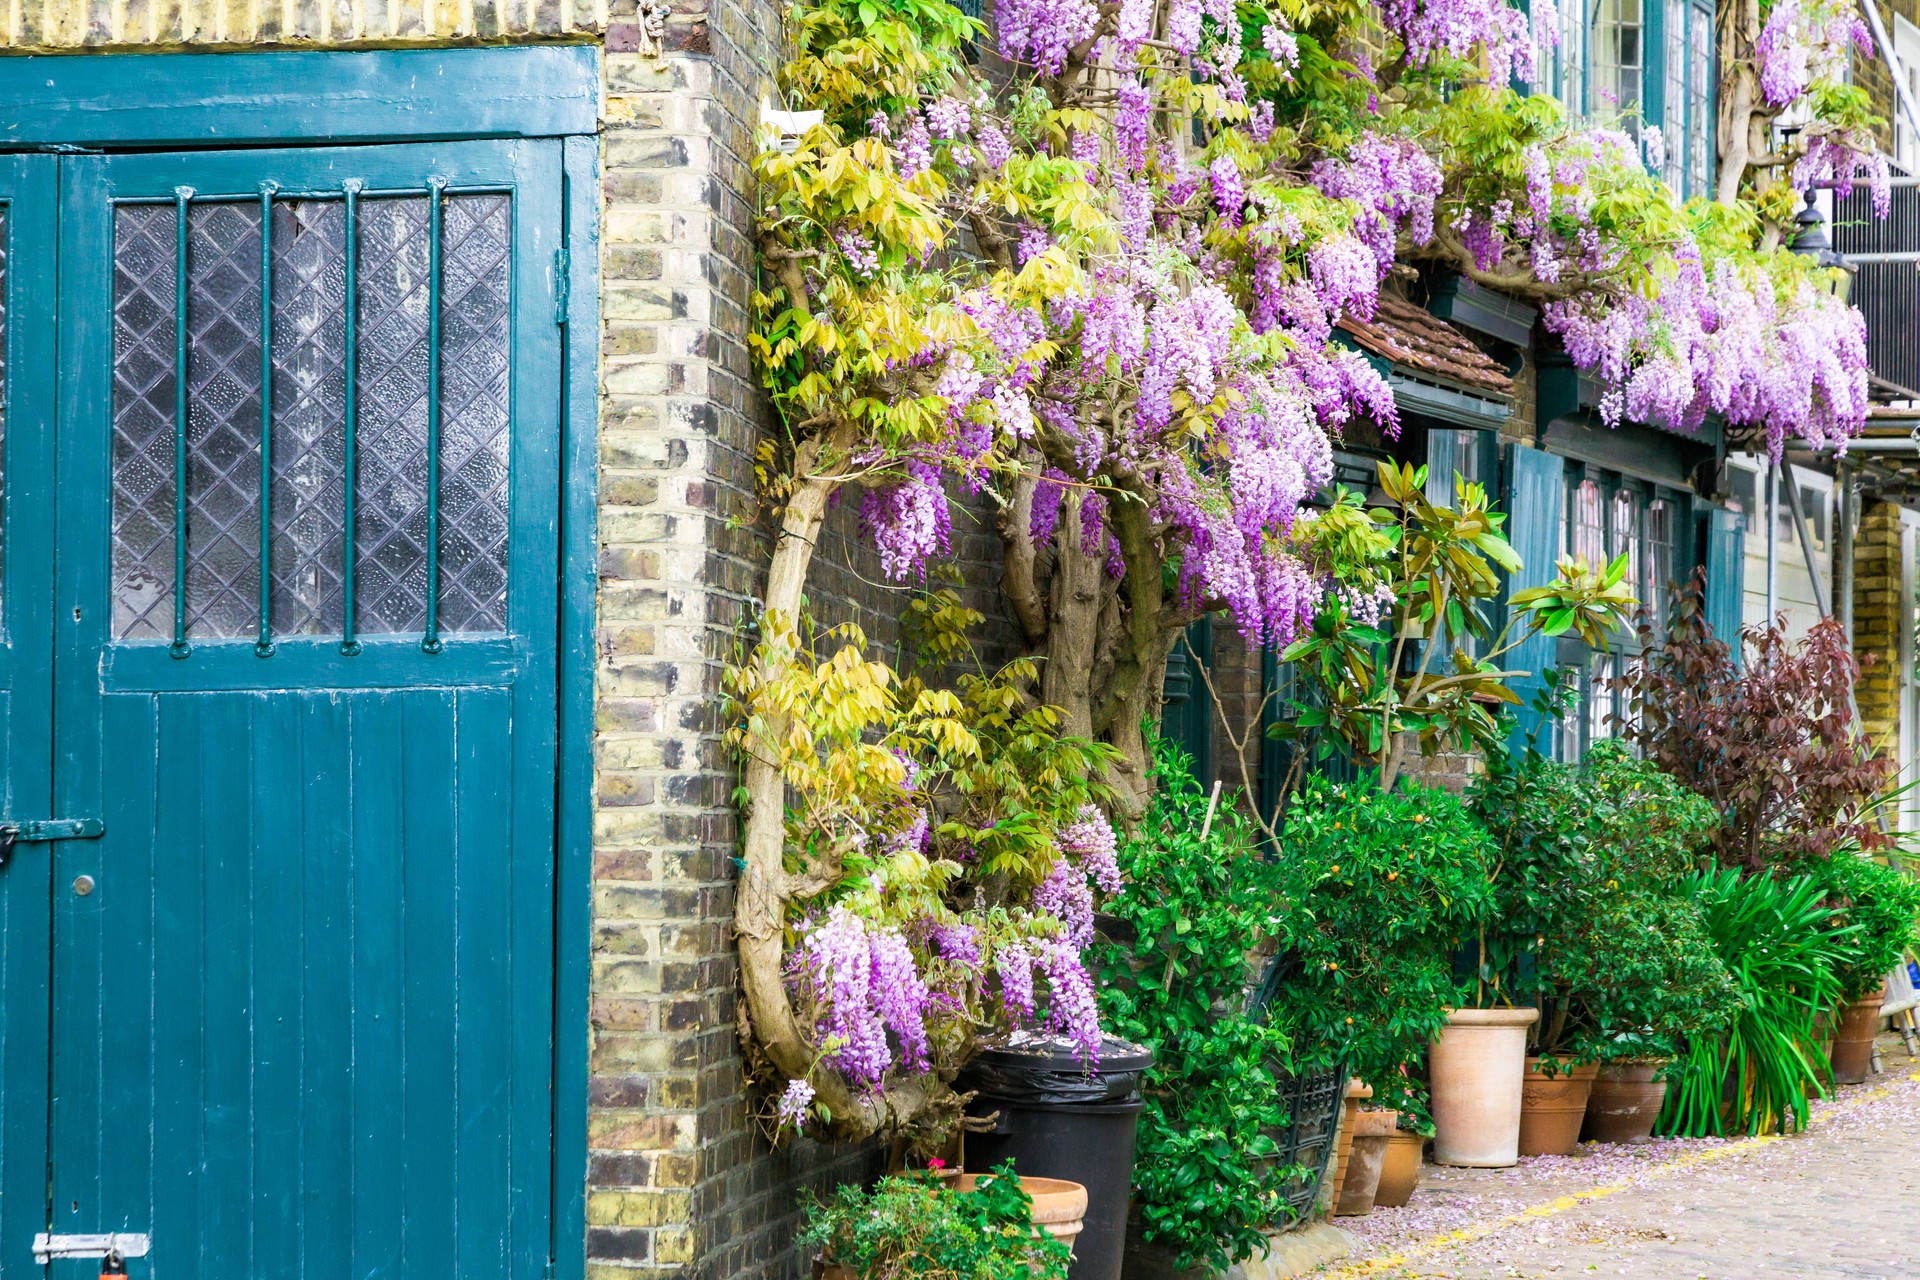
{"x":909,"y":1225}
{"x":1880,"y":906}
{"x":1376,"y":891}
{"x":1173,"y":969}
{"x":1588,"y":923}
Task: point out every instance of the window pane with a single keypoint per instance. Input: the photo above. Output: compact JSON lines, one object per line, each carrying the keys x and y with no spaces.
{"x":1700,"y":103}
{"x":1673,"y":123}
{"x":1618,"y":60}
{"x":143,"y":395}
{"x":1589,"y":527}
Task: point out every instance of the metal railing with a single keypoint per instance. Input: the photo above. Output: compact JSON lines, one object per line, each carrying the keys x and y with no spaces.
{"x":1887,"y":292}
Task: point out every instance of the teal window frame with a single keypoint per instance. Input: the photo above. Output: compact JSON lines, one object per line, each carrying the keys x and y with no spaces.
{"x":141,"y":101}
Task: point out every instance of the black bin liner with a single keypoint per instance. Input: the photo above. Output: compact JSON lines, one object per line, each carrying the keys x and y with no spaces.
{"x":1055,"y":1119}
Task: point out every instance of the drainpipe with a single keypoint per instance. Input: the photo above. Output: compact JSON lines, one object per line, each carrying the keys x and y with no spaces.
{"x":1843,"y":550}
{"x":1806,"y":550}
{"x":1773,"y":531}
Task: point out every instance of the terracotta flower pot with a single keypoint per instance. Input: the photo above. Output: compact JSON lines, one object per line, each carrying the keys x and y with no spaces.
{"x":1358,"y":1091}
{"x":1852,"y":1049}
{"x":1625,"y":1101}
{"x":1399,"y":1170}
{"x":1059,"y":1206}
{"x":1477,"y":1064}
{"x":1371,"y":1130}
{"x":1552,"y":1107}
{"x":824,"y":1270}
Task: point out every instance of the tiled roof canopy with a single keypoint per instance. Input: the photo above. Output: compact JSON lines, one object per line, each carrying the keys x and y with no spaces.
{"x":1418,"y":341}
{"x":87,"y":24}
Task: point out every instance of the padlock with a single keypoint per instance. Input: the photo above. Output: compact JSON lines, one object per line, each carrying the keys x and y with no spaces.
{"x":114,"y":1265}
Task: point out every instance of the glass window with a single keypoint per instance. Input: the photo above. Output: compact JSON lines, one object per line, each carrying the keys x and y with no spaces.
{"x":1618,"y":61}
{"x":1700,"y":78}
{"x":1589,"y":525}
{"x":1626,"y":533}
{"x":1658,"y":578}
{"x":1673,"y":111}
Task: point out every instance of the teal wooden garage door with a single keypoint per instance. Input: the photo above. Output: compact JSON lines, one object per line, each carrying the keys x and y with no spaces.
{"x":293,"y":559}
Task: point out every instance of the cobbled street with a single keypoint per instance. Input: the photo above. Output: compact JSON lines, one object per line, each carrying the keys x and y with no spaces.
{"x":1840,"y":1201}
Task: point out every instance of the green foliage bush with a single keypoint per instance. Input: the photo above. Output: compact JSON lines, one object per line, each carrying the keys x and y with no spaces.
{"x":1779,"y":941}
{"x":1588,"y":920}
{"x":1377,"y":892}
{"x":909,"y":1227}
{"x":1206,"y":1175}
{"x":1882,"y":904}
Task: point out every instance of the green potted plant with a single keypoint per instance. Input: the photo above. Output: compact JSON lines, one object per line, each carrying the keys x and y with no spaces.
{"x":1404,"y":656}
{"x":909,"y":1225}
{"x":1588,"y":924}
{"x":1881,"y":904}
{"x":1376,"y":891}
{"x":1173,"y":969}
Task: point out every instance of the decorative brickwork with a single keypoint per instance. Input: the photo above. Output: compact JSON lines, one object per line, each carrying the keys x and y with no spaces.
{"x":100,"y":24}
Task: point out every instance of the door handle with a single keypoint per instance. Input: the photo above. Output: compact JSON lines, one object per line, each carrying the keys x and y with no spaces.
{"x":39,"y":830}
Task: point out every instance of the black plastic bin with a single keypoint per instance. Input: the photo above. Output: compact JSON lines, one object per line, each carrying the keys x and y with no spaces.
{"x":1057,"y":1120}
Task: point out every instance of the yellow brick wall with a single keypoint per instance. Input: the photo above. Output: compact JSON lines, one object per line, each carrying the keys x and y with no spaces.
{"x":1876,"y":621}
{"x":47,"y":25}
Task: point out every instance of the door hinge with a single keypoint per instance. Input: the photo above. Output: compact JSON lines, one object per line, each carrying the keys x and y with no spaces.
{"x":40,"y":829}
{"x":53,"y":829}
{"x":562,"y":283}
{"x":126,"y":1244}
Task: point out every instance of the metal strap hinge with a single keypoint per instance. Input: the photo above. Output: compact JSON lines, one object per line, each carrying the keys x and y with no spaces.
{"x":54,"y":829}
{"x":127,"y":1244}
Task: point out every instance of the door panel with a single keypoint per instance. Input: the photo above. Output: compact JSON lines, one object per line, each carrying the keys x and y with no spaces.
{"x":303,"y":1023}
{"x":27,"y":195}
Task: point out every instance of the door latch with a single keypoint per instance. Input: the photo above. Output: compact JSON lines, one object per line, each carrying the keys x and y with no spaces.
{"x":43,"y":829}
{"x":118,"y":1244}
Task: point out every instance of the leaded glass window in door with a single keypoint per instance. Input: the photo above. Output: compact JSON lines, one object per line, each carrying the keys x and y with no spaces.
{"x":339,"y":361}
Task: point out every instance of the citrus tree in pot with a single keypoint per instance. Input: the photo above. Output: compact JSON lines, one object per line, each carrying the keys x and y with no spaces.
{"x":1589,"y":926}
{"x":1375,"y":892}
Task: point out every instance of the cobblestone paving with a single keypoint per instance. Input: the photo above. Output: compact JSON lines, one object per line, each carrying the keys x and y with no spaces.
{"x":1840,"y":1202}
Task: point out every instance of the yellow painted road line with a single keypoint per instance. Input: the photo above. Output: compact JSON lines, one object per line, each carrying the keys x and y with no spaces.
{"x":1573,"y":1200}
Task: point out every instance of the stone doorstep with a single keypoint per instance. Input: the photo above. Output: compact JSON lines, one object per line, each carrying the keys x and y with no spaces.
{"x":1295,"y":1253}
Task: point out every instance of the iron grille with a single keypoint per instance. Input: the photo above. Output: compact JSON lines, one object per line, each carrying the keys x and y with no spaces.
{"x":1888,"y":294}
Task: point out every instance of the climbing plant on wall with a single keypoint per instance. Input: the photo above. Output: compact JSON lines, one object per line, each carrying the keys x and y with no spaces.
{"x":1085,"y":269}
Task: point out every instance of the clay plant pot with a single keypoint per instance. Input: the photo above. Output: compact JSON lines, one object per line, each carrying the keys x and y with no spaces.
{"x":1358,"y":1091}
{"x":1852,"y":1049}
{"x":1552,"y":1107}
{"x":1371,"y":1130}
{"x":1477,"y":1065}
{"x":824,"y":1270}
{"x":1399,"y":1170}
{"x":1626,"y":1100}
{"x":1059,"y":1206}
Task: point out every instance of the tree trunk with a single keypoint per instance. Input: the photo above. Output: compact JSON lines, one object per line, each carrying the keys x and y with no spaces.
{"x":761,"y":896}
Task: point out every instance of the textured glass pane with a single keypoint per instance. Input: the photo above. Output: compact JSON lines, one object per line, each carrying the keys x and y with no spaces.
{"x":223,"y":420}
{"x":390,"y":534}
{"x":309,"y":407}
{"x":477,"y":239}
{"x":309,"y":417}
{"x":143,"y":391}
